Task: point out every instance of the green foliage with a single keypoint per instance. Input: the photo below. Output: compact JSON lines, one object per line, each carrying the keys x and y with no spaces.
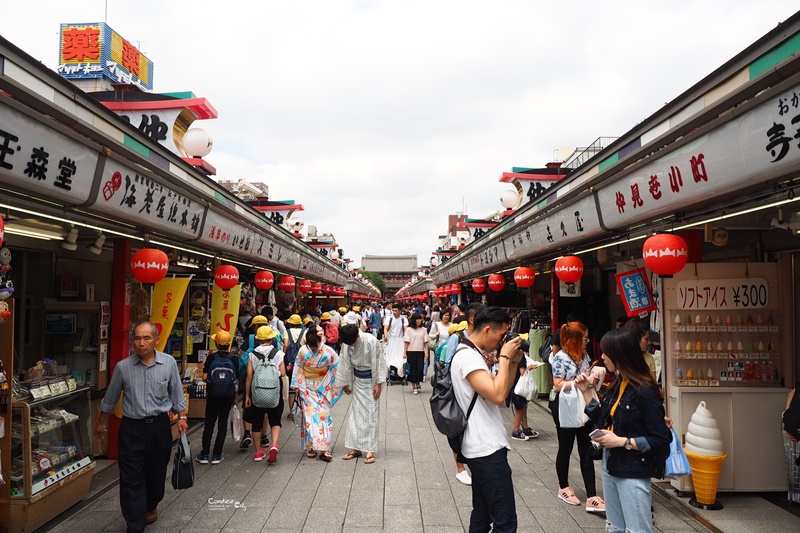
{"x":376,"y":279}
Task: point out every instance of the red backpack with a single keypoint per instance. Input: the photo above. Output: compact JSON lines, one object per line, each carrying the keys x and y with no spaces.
{"x":331,"y":332}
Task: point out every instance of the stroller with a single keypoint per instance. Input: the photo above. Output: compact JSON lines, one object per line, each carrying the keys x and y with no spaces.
{"x":395,"y":378}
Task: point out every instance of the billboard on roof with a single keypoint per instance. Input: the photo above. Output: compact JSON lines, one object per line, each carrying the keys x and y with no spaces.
{"x":94,"y":50}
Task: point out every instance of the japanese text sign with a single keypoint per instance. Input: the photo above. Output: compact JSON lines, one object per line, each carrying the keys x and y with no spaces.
{"x":740,"y":293}
{"x":635,"y":291}
{"x":167,"y":301}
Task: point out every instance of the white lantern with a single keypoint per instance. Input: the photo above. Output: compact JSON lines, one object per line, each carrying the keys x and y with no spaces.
{"x":510,"y":199}
{"x":197,"y":143}
{"x":334,"y":255}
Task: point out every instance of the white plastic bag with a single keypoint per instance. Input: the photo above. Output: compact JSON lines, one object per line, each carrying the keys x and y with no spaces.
{"x":571,"y":405}
{"x":237,"y":427}
{"x":526,"y":387}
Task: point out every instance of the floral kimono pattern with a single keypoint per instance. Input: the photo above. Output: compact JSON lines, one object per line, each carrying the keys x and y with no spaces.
{"x":314,"y":378}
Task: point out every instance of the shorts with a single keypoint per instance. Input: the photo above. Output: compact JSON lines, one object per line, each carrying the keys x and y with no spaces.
{"x":520,"y":402}
{"x":255,"y":416}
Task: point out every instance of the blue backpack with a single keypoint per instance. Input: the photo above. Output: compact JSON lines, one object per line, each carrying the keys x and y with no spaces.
{"x":246,"y":357}
{"x":293,"y":349}
{"x":222,"y":378}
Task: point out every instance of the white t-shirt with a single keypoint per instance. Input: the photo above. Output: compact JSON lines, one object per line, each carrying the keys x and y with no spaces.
{"x":266,"y":351}
{"x":485,"y":432}
{"x":396,"y":327}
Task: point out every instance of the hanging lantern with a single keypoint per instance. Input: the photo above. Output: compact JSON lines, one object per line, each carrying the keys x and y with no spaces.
{"x":226,"y":276}
{"x":2,"y":231}
{"x":304,"y":285}
{"x":665,"y":254}
{"x":569,"y":269}
{"x":149,"y":265}
{"x":478,"y":285}
{"x":455,"y":289}
{"x":524,"y":277}
{"x":287,"y":284}
{"x":497,"y":282}
{"x":264,"y":280}
{"x":327,"y":290}
{"x":316,"y":288}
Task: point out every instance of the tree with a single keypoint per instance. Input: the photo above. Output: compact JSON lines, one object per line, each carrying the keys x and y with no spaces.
{"x":376,"y":279}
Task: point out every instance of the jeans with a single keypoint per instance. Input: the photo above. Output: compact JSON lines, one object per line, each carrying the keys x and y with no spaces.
{"x":634,"y":515}
{"x":492,"y":494}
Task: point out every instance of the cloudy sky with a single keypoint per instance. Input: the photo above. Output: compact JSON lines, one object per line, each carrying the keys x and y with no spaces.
{"x":383,"y":116}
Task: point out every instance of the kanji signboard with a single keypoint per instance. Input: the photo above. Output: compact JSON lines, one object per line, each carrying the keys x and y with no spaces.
{"x":635,"y":291}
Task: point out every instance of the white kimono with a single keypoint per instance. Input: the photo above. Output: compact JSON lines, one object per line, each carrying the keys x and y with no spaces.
{"x":394,"y":342}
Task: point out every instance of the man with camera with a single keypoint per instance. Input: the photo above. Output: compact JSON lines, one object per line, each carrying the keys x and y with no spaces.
{"x":484,"y":444}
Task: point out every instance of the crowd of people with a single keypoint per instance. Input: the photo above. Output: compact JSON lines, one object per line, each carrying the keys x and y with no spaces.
{"x":306,"y":360}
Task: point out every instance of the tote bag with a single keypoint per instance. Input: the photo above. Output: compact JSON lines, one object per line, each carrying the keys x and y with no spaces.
{"x":571,"y":405}
{"x":677,"y":462}
{"x":183,"y":469}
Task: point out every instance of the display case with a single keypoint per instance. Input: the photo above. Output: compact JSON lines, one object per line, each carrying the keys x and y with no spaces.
{"x":51,"y":461}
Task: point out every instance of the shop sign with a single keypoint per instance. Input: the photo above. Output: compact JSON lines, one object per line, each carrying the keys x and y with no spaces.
{"x":158,"y":124}
{"x":635,"y":291}
{"x":225,"y":234}
{"x":94,"y":50}
{"x":489,"y":257}
{"x":740,"y":293}
{"x":734,"y":155}
{"x":275,"y":253}
{"x":224,"y":310}
{"x":569,"y":290}
{"x":38,"y":159}
{"x":567,"y":225}
{"x":143,"y":201}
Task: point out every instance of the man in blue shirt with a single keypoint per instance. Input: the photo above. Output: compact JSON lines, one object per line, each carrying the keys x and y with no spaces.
{"x":375,"y":321}
{"x":152,"y":388}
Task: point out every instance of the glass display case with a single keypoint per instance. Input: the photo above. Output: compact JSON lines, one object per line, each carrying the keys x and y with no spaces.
{"x":51,"y":461}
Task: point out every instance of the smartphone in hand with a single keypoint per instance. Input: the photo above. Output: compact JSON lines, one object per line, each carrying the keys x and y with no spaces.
{"x":597,"y":433}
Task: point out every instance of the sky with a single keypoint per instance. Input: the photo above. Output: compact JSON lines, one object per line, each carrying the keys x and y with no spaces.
{"x":381,"y":117}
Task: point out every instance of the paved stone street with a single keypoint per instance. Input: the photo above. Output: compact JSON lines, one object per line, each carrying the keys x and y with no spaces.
{"x":410,"y":488}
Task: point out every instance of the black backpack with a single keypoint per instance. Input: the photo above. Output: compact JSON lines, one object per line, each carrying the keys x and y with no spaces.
{"x":293,"y":349}
{"x":447,"y":414}
{"x":222,"y":378}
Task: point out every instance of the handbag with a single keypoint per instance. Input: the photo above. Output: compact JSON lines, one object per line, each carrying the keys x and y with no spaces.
{"x":237,"y":427}
{"x":434,"y":340}
{"x":183,"y":468}
{"x":571,"y":405}
{"x":296,"y":412}
{"x":526,"y":387}
{"x":677,"y":462}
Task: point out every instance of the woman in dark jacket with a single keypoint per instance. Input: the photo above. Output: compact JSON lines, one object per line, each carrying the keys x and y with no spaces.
{"x":635,"y":436}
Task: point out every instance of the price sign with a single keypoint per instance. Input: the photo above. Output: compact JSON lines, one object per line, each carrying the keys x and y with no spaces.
{"x":739,"y":293}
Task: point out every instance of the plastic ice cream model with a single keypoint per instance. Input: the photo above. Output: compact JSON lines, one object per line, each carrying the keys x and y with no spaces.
{"x":750,"y":346}
{"x":690,"y":374}
{"x":679,"y":373}
{"x":703,"y":436}
{"x":739,"y":347}
{"x":759,"y":320}
{"x":730,"y":346}
{"x":771,"y":347}
{"x":677,"y":346}
{"x":677,"y":319}
{"x":697,"y":320}
{"x":698,"y":347}
{"x":728,"y":320}
{"x":688,"y":319}
{"x":718,"y":321}
{"x":708,"y":320}
{"x":710,"y":373}
{"x":738,"y":320}
{"x":688,"y":346}
{"x":749,"y":320}
{"x":760,"y":346}
{"x":719,"y":346}
{"x":709,"y":347}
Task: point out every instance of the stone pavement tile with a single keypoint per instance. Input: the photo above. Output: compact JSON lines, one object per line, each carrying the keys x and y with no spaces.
{"x":334,"y":490}
{"x":369,"y":478}
{"x":431,"y":476}
{"x":267,"y":529}
{"x":89,"y":523}
{"x":438,"y":508}
{"x":249,"y":520}
{"x":322,"y":519}
{"x":409,"y":516}
{"x":288,"y":513}
{"x":361,"y":529}
{"x":213,"y":516}
{"x":444,"y":529}
{"x":365,"y":509}
{"x":172,"y":519}
{"x":118,"y":525}
{"x":401,"y":490}
{"x":192,"y":529}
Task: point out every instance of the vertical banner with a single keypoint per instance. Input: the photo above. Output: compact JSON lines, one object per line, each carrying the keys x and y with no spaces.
{"x":224,"y":311}
{"x":166,"y":304}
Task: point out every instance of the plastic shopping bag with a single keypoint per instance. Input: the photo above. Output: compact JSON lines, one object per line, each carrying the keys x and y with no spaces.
{"x":677,"y":462}
{"x":571,"y":405}
{"x":526,"y":387}
{"x":237,"y":426}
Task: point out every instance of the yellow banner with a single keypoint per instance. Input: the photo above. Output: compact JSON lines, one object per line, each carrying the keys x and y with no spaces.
{"x":167,"y":301}
{"x":224,"y":311}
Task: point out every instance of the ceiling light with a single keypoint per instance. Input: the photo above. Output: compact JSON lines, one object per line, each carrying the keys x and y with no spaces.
{"x":31,"y":234}
{"x":187,"y":264}
{"x":71,"y":240}
{"x":97,"y":246}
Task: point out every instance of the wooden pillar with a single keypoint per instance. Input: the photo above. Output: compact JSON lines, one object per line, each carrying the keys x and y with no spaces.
{"x":119,"y":336}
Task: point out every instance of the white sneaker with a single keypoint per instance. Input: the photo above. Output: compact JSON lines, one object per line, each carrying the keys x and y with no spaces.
{"x":464,"y":477}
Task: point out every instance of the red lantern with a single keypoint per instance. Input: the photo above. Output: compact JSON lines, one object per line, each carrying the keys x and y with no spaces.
{"x":2,"y":231}
{"x":524,"y":277}
{"x":497,"y":282}
{"x":569,"y":269}
{"x":226,"y":277}
{"x":455,"y":289}
{"x":327,"y":290}
{"x":264,"y":280}
{"x":478,"y":285}
{"x":304,"y":286}
{"x":316,"y":288}
{"x":149,"y":265}
{"x":287,"y":284}
{"x":665,"y":254}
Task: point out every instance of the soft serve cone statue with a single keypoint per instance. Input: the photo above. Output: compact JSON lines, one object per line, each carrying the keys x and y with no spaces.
{"x":706,"y":452}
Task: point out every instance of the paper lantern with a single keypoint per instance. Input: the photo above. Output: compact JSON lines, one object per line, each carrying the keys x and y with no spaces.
{"x":665,"y":254}
{"x":478,"y":285}
{"x":264,"y":280}
{"x":497,"y":282}
{"x":149,"y":265}
{"x":304,"y":285}
{"x":327,"y":290}
{"x":524,"y":277}
{"x":2,"y":231}
{"x":226,"y":276}
{"x":455,"y":289}
{"x":316,"y":288}
{"x":569,"y":269}
{"x":287,"y":284}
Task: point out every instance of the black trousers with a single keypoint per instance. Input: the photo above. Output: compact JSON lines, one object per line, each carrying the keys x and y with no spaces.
{"x":416,"y":361}
{"x":144,"y":454}
{"x":566,"y":441}
{"x":217,"y":411}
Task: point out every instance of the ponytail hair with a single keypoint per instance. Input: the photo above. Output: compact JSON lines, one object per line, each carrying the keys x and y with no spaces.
{"x":313,"y":339}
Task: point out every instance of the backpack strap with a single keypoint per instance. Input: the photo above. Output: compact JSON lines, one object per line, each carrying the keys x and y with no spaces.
{"x":262,"y":357}
{"x":471,"y":405}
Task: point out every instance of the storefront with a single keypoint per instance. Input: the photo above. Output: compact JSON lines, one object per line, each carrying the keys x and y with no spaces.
{"x":718,"y":166}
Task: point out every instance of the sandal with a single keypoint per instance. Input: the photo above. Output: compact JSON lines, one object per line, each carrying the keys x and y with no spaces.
{"x":325,"y":456}
{"x":369,"y":459}
{"x":311,"y":454}
{"x":568,"y":495}
{"x":352,"y":454}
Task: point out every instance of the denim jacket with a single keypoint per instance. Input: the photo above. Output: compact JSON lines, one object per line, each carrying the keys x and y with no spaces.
{"x":640,"y":416}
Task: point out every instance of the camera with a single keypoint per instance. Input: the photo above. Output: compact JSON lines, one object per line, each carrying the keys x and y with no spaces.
{"x":524,"y":345}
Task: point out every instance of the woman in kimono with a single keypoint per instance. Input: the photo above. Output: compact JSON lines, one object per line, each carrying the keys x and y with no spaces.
{"x":314,"y":377}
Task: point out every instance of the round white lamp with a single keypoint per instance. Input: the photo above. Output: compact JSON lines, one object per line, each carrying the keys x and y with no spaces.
{"x":510,"y":199}
{"x":197,"y":143}
{"x":334,"y":255}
